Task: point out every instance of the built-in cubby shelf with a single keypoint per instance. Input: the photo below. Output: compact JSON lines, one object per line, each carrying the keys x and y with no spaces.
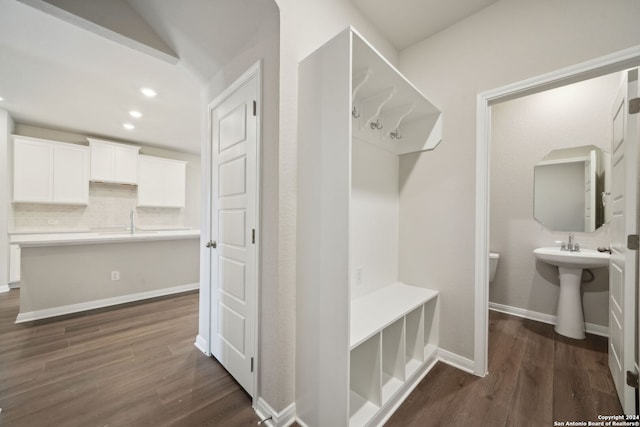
{"x":363,"y":339}
{"x":393,"y":337}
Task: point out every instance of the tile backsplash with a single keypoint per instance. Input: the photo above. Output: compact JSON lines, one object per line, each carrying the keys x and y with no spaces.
{"x":109,"y":207}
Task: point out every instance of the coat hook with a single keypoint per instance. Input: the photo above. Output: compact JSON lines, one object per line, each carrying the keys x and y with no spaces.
{"x":376,"y":125}
{"x":395,"y":134}
{"x":355,"y":113}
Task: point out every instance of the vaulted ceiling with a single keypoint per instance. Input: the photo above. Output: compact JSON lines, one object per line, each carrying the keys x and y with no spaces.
{"x":78,"y":66}
{"x":68,"y":66}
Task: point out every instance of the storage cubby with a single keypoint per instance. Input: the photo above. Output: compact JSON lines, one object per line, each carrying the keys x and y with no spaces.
{"x":393,"y":314}
{"x":364,"y":338}
{"x":365,"y":381}
{"x":393,"y":357}
{"x":415,"y":341}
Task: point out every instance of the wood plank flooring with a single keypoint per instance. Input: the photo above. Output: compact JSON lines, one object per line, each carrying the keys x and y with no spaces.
{"x":131,"y":366}
{"x":535,"y":377}
{"x":137,"y":366}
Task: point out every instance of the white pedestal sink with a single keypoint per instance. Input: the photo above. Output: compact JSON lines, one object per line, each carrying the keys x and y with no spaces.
{"x":570,"y":319}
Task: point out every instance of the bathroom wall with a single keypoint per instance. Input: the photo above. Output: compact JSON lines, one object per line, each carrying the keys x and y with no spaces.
{"x":508,"y":42}
{"x":109,"y":204}
{"x":524,"y":131}
{"x":374,"y":218}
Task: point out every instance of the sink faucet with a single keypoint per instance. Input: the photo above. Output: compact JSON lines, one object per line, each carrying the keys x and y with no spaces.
{"x":132,"y":217}
{"x":572,"y":246}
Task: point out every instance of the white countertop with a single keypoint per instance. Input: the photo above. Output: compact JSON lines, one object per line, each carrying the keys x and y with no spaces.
{"x":100,"y":237}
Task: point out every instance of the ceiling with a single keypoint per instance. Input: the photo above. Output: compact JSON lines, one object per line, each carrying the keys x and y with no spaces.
{"x":82,"y":75}
{"x":69,"y":65}
{"x":406,"y":22}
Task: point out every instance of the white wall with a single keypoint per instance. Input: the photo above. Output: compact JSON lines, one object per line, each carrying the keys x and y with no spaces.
{"x":524,"y":131}
{"x":6,"y":129}
{"x":374,"y":218}
{"x":304,"y":26}
{"x":508,"y":42}
{"x":109,"y":204}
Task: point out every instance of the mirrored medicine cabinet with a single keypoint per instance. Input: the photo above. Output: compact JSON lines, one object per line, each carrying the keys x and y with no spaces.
{"x":571,"y":189}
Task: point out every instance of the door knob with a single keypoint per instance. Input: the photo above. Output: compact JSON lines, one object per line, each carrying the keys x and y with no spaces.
{"x":212,"y":244}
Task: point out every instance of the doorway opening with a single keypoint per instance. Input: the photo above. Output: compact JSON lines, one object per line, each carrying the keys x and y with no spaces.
{"x":615,"y":63}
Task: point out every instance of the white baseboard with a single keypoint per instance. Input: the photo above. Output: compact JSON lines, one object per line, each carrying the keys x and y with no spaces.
{"x":201,"y":344}
{"x":106,"y":302}
{"x":284,"y":418}
{"x":591,"y":328}
{"x":456,"y":361}
{"x":4,"y":288}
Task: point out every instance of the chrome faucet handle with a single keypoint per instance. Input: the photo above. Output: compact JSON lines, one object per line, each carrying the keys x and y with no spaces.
{"x":563,"y":245}
{"x":576,"y":247}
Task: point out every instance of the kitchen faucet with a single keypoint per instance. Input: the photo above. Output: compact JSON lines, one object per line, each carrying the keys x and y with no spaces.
{"x":132,"y":217}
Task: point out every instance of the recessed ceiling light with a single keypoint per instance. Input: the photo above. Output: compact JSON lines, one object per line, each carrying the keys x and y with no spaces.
{"x":128,"y":126}
{"x":1,"y":98}
{"x":136,"y":114}
{"x":150,"y":93}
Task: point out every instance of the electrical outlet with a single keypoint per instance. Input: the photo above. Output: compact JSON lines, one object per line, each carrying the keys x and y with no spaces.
{"x":115,"y":275}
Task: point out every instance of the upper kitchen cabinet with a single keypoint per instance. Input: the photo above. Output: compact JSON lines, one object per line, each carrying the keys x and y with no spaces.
{"x":113,"y":163}
{"x":49,"y":171}
{"x":161,"y":182}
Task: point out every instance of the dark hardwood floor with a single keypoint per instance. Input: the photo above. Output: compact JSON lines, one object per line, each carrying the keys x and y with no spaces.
{"x":535,"y":377}
{"x":137,"y":366}
{"x":132,"y":366}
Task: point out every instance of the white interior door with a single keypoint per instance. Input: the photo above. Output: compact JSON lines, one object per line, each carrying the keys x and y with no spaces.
{"x":622,"y":269}
{"x":633,"y":133}
{"x":234,"y":215}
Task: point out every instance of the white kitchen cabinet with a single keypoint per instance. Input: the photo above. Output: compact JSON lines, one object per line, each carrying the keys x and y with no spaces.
{"x":161,"y":182}
{"x":14,"y":263}
{"x":50,"y":172}
{"x":113,"y":163}
{"x":364,"y":338}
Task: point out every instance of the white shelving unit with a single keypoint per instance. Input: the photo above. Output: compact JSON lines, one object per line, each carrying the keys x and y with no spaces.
{"x":399,"y":320}
{"x":364,"y":339}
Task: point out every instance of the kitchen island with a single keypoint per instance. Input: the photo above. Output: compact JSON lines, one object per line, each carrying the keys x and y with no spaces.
{"x":63,"y":273}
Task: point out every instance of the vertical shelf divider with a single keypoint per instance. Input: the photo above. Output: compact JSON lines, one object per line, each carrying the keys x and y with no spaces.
{"x":393,"y":356}
{"x":430,"y":329}
{"x":415,"y":340}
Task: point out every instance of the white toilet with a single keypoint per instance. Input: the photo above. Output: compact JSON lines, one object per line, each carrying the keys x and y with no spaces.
{"x":493,"y":265}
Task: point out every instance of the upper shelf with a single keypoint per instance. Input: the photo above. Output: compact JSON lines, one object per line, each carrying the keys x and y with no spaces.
{"x":387,"y":109}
